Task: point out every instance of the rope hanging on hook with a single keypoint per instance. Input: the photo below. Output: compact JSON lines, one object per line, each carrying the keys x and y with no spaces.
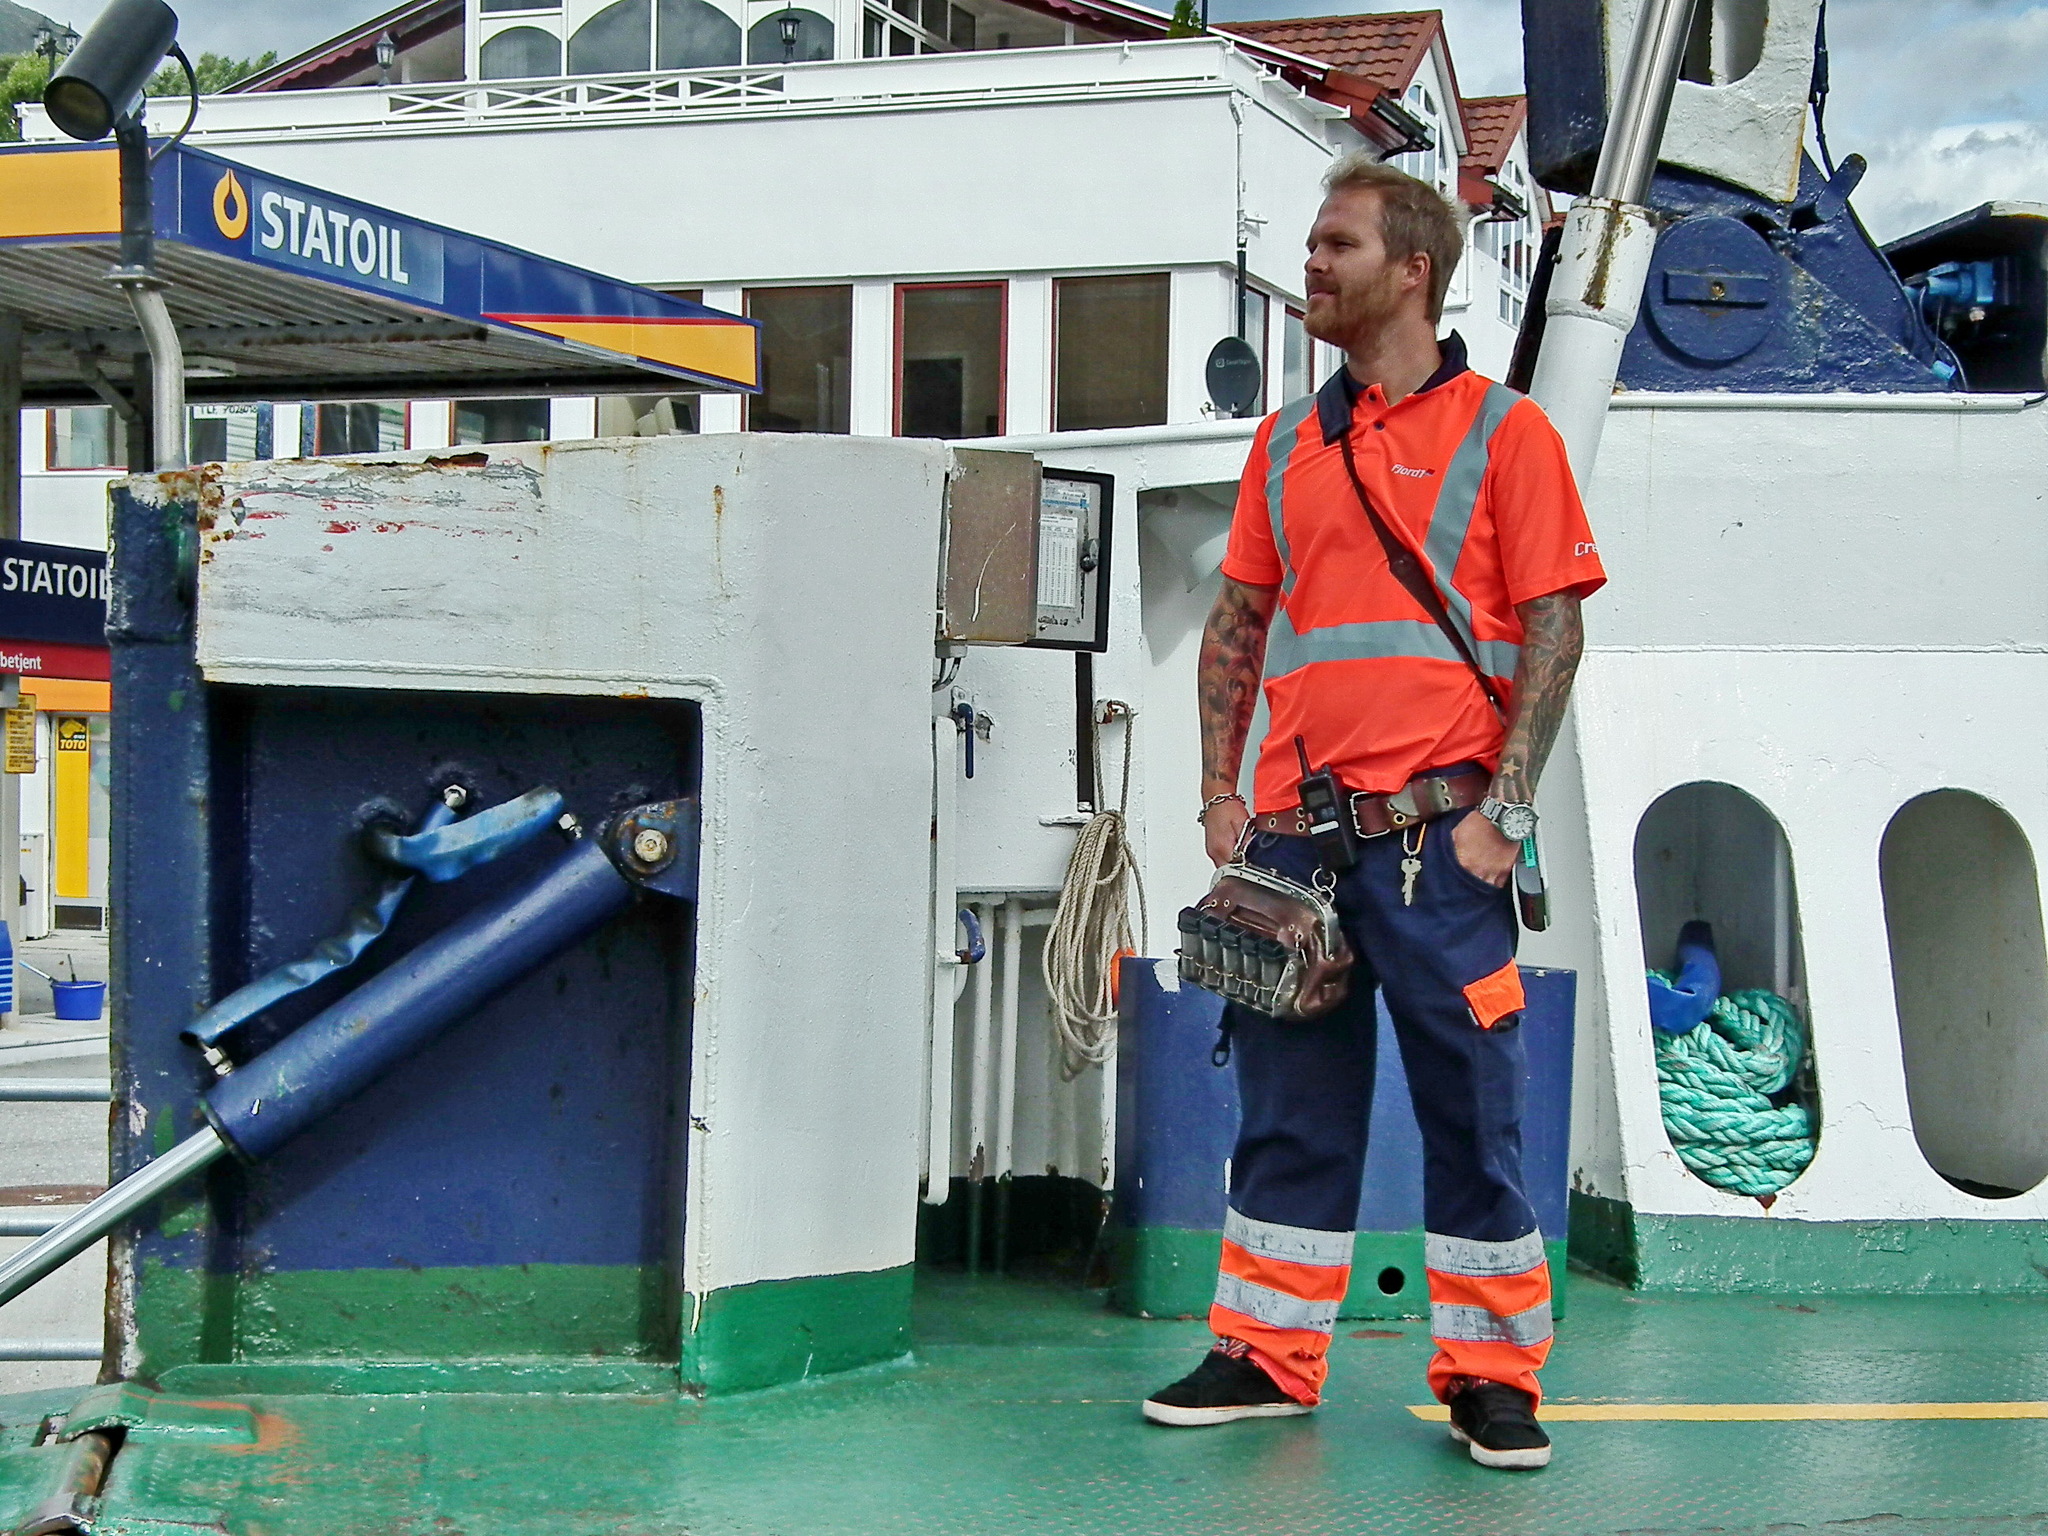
{"x":1091,"y":931}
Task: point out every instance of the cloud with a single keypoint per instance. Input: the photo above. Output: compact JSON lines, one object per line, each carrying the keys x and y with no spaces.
{"x":1922,"y":178}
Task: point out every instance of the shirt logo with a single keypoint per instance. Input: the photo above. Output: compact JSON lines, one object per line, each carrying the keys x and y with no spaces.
{"x":1586,"y":549}
{"x":1416,"y":474}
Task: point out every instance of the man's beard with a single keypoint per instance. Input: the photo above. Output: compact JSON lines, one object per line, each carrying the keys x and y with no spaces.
{"x":1360,"y":313}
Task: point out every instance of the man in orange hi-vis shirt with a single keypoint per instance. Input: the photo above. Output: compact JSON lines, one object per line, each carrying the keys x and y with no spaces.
{"x":1424,"y":663}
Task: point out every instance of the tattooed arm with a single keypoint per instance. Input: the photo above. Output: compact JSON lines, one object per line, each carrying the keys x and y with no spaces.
{"x":1552,"y":640}
{"x":1227,"y":686}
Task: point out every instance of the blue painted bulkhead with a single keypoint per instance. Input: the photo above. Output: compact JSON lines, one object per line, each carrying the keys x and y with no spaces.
{"x":531,"y":1158}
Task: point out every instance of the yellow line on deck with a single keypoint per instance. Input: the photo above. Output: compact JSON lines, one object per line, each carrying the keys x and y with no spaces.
{"x":1756,"y":1413}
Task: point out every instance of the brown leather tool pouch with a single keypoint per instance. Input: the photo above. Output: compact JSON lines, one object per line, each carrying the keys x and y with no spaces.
{"x":1267,"y":942}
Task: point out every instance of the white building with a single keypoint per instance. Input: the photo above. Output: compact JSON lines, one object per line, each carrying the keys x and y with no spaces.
{"x":988,"y":220}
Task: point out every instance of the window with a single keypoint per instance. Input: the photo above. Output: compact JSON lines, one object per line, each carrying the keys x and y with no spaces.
{"x":220,"y":434}
{"x":360,"y":426}
{"x":949,"y":360}
{"x":1512,"y":242}
{"x":1427,"y":165}
{"x":645,"y":415}
{"x":811,"y":44}
{"x":501,"y":421}
{"x":87,"y":437}
{"x":1296,"y":373}
{"x":1109,"y":351}
{"x":806,"y":359}
{"x":616,"y":41}
{"x":916,"y":26}
{"x":694,"y":34}
{"x":520,"y":53}
{"x":488,"y":6}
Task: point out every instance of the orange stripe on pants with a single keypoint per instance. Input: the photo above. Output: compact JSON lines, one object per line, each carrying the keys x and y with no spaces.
{"x":1502,"y":1360}
{"x":1293,"y":1357}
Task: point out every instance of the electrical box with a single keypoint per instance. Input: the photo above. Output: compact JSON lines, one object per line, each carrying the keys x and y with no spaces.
{"x":992,"y":518}
{"x":1075,"y":511}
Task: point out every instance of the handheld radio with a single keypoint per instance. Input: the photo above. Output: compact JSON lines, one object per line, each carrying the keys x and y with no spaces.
{"x":1325,"y":800}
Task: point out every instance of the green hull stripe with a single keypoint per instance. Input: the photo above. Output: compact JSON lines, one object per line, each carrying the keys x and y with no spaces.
{"x":777,"y":1331}
{"x":1171,"y":1272}
{"x":1779,"y":1256}
{"x":532,"y":1311}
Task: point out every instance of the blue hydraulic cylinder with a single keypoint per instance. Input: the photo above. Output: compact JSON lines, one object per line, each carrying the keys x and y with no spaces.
{"x":341,"y":1051}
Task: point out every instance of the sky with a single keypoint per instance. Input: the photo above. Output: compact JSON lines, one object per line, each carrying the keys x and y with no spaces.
{"x":1947,"y":99}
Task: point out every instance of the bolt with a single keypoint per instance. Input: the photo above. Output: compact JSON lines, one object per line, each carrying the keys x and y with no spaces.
{"x":570,"y":827}
{"x":650,"y":846}
{"x":455,"y":797}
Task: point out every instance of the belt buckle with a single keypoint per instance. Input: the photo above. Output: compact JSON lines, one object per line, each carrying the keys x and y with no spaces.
{"x":1404,"y":810}
{"x":1358,"y":798}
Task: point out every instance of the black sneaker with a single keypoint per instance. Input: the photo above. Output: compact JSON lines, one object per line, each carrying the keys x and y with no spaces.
{"x":1499,"y":1423}
{"x":1227,"y":1385}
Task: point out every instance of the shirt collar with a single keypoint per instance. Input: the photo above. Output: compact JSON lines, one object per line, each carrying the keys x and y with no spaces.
{"x":1338,"y":399}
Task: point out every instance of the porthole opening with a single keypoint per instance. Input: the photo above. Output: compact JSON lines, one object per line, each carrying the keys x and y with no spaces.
{"x":1392,"y":1281}
{"x":1735,"y":1086}
{"x":1962,"y":911}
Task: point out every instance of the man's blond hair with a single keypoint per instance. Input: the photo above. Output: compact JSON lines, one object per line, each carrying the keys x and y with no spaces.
{"x":1414,"y":216}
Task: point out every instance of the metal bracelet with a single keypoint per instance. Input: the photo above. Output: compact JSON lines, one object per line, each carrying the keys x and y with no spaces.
{"x":1210,"y":804}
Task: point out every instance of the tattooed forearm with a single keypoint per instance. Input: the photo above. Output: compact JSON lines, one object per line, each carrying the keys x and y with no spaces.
{"x":1227,"y":678}
{"x":1552,"y":639}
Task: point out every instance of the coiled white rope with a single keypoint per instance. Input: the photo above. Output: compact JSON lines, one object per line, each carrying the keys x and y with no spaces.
{"x":1091,"y":930}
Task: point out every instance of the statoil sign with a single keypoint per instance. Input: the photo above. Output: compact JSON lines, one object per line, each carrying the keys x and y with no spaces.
{"x":287,"y":225}
{"x":53,"y":610}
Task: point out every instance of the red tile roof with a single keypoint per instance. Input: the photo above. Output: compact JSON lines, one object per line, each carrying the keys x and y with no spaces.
{"x":1386,"y":49}
{"x":1491,"y":123}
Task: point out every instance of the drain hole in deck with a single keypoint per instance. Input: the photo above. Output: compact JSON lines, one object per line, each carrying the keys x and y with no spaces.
{"x":1392,"y":1281}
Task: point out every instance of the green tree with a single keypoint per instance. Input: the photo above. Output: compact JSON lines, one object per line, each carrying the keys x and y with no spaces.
{"x":1187,"y":20}
{"x":22,"y":78}
{"x":216,"y":72}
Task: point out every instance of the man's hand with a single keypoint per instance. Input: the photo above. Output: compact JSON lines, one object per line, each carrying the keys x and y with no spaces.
{"x":1222,"y":826}
{"x":1477,"y":845}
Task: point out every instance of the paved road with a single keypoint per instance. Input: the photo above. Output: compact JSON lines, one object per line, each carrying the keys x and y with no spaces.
{"x":54,"y":1154}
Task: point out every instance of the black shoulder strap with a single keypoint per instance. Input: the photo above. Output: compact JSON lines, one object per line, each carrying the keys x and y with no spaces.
{"x":1415,"y":581}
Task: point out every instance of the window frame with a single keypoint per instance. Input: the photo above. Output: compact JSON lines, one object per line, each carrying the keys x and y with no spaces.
{"x":748,"y":402}
{"x":897,"y":359}
{"x":50,"y":463}
{"x":1053,"y":381}
{"x":404,"y":417}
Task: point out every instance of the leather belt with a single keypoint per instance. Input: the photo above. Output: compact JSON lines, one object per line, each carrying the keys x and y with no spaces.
{"x":1422,"y":799}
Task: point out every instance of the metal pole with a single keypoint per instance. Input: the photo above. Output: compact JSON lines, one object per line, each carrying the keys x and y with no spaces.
{"x":1635,"y":126}
{"x":73,"y":1236}
{"x":10,"y":691}
{"x":1603,"y":258}
{"x":136,"y":276}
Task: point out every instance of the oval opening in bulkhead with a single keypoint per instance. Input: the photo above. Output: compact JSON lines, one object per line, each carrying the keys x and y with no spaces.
{"x":1720,"y":918}
{"x":1962,"y":913}
{"x":1726,"y":42}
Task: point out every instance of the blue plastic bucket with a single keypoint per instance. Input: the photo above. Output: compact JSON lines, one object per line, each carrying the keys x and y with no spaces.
{"x":79,"y":999}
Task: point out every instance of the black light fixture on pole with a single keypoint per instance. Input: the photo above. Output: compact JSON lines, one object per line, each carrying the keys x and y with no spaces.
{"x":387,"y":53}
{"x":98,"y":91}
{"x":787,"y":24}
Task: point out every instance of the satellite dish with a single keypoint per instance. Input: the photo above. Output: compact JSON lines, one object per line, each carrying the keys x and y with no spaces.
{"x":1233,"y":373}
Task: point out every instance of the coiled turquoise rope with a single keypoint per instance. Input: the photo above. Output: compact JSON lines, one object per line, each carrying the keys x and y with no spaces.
{"x":1715,"y":1083}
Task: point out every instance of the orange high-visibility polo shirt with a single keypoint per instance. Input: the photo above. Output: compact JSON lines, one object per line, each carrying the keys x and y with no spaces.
{"x":1474,"y":480}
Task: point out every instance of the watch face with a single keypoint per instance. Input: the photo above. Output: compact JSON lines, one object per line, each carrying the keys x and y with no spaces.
{"x":1516,"y":822}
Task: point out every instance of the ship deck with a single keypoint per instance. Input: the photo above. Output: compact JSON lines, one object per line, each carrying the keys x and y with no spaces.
{"x":1018,"y":1412}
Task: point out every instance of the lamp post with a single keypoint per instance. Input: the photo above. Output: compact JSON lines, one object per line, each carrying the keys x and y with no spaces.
{"x":387,"y":51}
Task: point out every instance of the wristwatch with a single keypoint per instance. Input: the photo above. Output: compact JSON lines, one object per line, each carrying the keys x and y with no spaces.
{"x":1516,"y":823}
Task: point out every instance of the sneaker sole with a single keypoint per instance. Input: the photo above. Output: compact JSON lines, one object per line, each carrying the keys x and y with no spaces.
{"x":1194,"y":1418}
{"x":1527,"y":1459}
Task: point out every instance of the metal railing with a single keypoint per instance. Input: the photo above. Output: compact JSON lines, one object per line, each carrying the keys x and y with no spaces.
{"x":34,"y":1221}
{"x":658,"y":94}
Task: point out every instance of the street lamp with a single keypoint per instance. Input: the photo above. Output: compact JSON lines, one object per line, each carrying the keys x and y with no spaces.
{"x":98,"y":91}
{"x":787,"y":25}
{"x":387,"y":51}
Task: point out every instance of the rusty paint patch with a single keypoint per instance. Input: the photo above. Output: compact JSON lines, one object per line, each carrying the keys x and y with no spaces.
{"x":339,"y":527}
{"x":459,"y":460}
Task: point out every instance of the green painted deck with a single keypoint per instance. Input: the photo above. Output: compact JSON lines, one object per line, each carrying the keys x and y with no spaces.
{"x":1018,"y":1413}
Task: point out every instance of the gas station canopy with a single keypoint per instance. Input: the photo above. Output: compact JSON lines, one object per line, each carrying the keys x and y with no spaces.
{"x":281,"y":291}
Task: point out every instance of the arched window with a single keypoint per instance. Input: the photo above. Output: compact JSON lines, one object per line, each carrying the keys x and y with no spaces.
{"x":1962,"y":914}
{"x":811,"y":44}
{"x":613,"y":42}
{"x":694,"y":34}
{"x":520,"y":53}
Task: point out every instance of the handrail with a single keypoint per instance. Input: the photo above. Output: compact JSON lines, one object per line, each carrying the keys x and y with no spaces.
{"x":54,"y":1090}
